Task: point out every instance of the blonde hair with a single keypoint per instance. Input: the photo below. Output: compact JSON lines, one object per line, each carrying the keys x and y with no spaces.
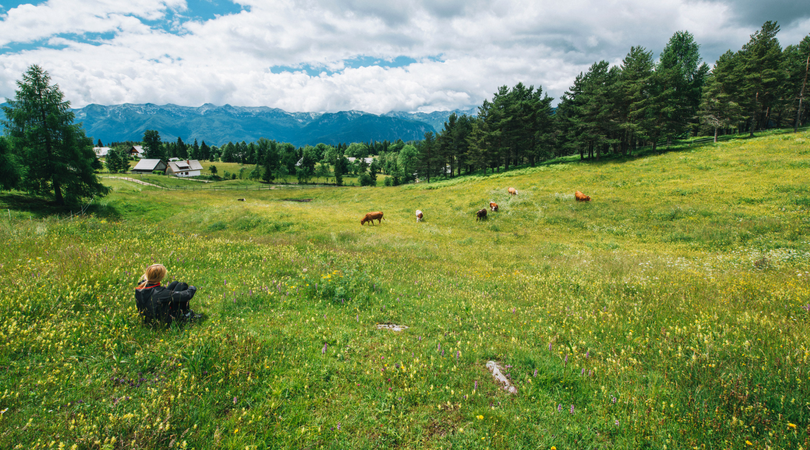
{"x":153,"y":274}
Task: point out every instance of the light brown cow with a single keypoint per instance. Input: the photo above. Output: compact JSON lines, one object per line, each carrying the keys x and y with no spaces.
{"x":493,"y":206}
{"x":371,"y":217}
{"x":481,"y":214}
{"x":419,"y":215}
{"x":581,"y":197}
{"x":512,"y":191}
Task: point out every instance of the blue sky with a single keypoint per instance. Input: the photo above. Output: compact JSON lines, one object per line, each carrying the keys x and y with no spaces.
{"x":318,"y":55}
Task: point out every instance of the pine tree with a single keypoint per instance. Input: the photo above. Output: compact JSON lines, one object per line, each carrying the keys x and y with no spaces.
{"x":57,"y":156}
{"x":9,"y":166}
{"x":152,"y":145}
{"x":761,"y":77}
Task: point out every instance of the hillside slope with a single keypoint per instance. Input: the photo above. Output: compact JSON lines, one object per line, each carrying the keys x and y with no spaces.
{"x":669,"y":311}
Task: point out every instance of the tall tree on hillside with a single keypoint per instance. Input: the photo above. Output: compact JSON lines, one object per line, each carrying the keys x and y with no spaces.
{"x":182,"y":150}
{"x":428,"y":157}
{"x":796,"y":63}
{"x":195,"y":150}
{"x":761,"y":77}
{"x":152,"y":145}
{"x":57,"y":156}
{"x":99,"y":144}
{"x":205,"y":151}
{"x":408,"y":162}
{"x":228,"y":152}
{"x":719,"y":108}
{"x":271,"y":161}
{"x":682,"y":70}
{"x":635,"y":87}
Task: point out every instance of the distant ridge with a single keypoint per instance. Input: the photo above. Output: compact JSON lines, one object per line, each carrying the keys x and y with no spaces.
{"x":218,"y":125}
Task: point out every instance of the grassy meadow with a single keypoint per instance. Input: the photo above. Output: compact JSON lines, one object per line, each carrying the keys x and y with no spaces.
{"x":670,"y":312}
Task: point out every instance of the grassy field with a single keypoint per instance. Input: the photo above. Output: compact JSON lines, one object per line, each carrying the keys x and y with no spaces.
{"x":672,"y":311}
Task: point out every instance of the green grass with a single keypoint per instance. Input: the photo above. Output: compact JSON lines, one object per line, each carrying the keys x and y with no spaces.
{"x":669,"y":311}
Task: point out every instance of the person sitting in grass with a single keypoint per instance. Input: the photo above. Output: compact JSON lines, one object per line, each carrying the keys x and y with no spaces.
{"x":164,"y":304}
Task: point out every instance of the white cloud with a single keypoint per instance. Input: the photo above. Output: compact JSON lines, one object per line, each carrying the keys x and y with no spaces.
{"x":483,"y":45}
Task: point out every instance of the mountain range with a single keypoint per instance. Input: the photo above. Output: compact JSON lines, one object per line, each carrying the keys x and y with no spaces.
{"x":218,"y":125}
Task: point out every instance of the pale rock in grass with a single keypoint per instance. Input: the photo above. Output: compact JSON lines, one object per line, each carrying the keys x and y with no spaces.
{"x":500,"y":378}
{"x":391,"y":326}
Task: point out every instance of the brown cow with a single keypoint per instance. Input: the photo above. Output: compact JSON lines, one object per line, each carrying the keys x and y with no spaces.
{"x":512,"y":191}
{"x":481,"y":214}
{"x":419,"y":215}
{"x":371,"y":217}
{"x":493,"y":206}
{"x":581,"y":197}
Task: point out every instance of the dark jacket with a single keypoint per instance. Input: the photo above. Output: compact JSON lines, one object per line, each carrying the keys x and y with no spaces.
{"x":163,"y":303}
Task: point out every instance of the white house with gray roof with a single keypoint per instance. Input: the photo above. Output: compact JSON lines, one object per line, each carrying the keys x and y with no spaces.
{"x":185,"y":168}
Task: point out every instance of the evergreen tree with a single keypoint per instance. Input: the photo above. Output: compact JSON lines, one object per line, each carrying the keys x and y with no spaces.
{"x":57,"y":156}
{"x":99,"y":144}
{"x":684,"y":73}
{"x":9,"y":166}
{"x":719,"y":108}
{"x":205,"y":151}
{"x":181,"y":149}
{"x":195,"y":150}
{"x":152,"y":145}
{"x":271,"y":162}
{"x":761,"y":77}
{"x":113,"y":161}
{"x":635,"y":87}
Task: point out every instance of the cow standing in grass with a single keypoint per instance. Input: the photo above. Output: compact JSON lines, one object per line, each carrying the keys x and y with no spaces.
{"x":481,"y":214}
{"x":419,"y":216}
{"x":371,"y":217}
{"x":493,"y":206}
{"x":581,"y":197}
{"x":512,"y":191}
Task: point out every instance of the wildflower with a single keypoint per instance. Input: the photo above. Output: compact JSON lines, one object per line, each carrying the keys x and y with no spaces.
{"x":792,"y":425}
{"x":549,"y":346}
{"x":559,"y":407}
{"x":572,"y":409}
{"x":480,"y":417}
{"x":748,"y":443}
{"x":617,"y":422}
{"x":323,"y":351}
{"x":535,"y":373}
{"x":475,"y":387}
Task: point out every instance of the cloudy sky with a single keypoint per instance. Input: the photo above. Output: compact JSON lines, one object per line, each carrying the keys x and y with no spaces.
{"x":369,"y":55}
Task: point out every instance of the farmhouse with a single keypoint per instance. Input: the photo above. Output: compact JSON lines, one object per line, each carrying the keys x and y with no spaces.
{"x":149,"y":166}
{"x":185,"y":168}
{"x":136,"y":151}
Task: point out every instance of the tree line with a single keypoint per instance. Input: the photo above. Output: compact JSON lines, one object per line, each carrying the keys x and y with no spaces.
{"x":617,"y":109}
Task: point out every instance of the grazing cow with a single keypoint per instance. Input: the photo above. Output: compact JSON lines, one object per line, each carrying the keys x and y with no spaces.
{"x":581,"y":197}
{"x":512,"y":191}
{"x":240,"y":199}
{"x":481,"y":214}
{"x":371,"y":217}
{"x":418,"y":216}
{"x":493,"y":206}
